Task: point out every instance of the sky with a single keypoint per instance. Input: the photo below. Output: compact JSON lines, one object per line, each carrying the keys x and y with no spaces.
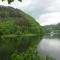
{"x":45,"y":12}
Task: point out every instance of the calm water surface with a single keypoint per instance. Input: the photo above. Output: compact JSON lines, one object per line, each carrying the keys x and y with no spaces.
{"x":50,"y":46}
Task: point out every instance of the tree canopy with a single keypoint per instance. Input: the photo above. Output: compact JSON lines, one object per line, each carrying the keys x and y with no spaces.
{"x":9,"y":1}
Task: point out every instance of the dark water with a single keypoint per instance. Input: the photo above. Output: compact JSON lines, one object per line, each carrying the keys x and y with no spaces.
{"x":9,"y":44}
{"x":50,"y":46}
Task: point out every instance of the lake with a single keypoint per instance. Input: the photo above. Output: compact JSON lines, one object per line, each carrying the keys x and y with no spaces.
{"x":50,"y":46}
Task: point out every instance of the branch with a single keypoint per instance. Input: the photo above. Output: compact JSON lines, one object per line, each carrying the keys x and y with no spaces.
{"x":9,"y":1}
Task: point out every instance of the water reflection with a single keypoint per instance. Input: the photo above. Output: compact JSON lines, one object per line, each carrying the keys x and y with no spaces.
{"x":50,"y":46}
{"x":52,"y":36}
{"x":12,"y":43}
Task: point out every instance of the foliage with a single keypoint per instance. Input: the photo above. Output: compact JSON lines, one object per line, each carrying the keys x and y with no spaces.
{"x":18,"y":31}
{"x":30,"y":54}
{"x":9,"y":1}
{"x":21,"y":19}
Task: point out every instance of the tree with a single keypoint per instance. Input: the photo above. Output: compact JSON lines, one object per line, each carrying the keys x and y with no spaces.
{"x":9,"y":1}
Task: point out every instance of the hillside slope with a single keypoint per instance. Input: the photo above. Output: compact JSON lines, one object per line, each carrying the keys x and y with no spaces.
{"x":26,"y":23}
{"x":17,"y":31}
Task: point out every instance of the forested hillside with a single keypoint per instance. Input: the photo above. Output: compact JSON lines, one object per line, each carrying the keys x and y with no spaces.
{"x":14,"y":25}
{"x":25,"y":23}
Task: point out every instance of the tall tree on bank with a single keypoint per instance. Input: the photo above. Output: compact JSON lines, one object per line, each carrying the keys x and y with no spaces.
{"x":9,"y":1}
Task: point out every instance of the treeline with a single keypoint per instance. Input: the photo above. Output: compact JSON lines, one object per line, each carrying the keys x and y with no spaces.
{"x":54,"y":28}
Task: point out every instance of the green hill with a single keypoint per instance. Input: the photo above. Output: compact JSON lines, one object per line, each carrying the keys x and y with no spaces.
{"x":17,"y":30}
{"x":26,"y":23}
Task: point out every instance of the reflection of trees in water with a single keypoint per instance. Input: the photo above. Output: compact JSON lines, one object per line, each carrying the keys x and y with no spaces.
{"x":27,"y":42}
{"x":53,"y":36}
{"x":56,"y":35}
{"x":19,"y":43}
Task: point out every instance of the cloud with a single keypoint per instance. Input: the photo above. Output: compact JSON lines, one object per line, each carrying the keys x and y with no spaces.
{"x":44,"y":11}
{"x":50,"y":18}
{"x":55,"y":6}
{"x":33,"y":7}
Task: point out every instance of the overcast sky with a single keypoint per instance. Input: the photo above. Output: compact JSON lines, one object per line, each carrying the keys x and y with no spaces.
{"x":44,"y":11}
